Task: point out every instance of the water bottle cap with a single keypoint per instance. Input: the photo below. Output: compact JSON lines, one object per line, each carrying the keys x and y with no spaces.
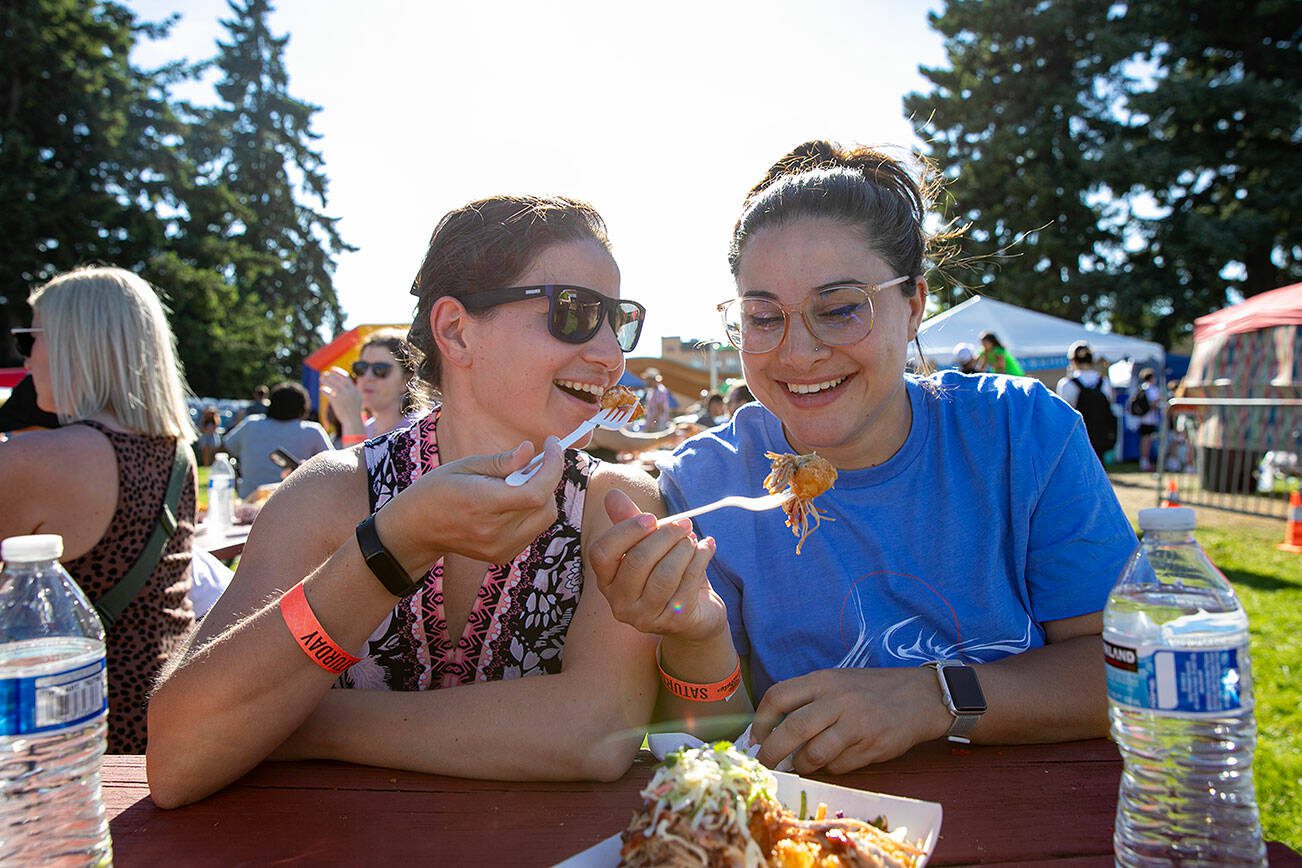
{"x":37,"y":547}
{"x":1167,"y":518}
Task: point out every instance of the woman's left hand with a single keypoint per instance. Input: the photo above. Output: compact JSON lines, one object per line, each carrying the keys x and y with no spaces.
{"x":342,"y":393}
{"x":653,"y":576}
{"x":840,"y":720}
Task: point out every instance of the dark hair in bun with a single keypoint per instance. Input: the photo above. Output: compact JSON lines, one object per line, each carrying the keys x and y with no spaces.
{"x":858,"y":186}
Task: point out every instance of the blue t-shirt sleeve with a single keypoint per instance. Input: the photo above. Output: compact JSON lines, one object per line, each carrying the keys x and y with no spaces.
{"x":725,"y":585}
{"x":1080,"y":538}
{"x":320,"y":441}
{"x":233,"y":439}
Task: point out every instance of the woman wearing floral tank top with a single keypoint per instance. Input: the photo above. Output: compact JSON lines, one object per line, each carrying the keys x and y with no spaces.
{"x":504,"y":661}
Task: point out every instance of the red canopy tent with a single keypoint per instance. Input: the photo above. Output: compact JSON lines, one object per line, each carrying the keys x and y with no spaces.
{"x":1281,"y":306}
{"x":1249,"y":350}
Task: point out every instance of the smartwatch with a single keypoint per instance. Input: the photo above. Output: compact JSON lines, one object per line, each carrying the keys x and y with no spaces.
{"x":382,"y":563}
{"x":961,"y":691}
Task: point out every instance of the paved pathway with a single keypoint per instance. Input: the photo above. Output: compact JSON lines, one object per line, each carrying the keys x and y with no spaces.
{"x":1138,"y":491}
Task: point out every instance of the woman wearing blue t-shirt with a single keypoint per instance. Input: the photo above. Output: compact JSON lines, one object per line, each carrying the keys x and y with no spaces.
{"x":973,"y":538}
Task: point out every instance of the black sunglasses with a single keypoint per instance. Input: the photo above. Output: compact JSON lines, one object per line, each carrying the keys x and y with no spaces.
{"x":25,"y":339}
{"x":574,"y":313}
{"x":379,"y":369}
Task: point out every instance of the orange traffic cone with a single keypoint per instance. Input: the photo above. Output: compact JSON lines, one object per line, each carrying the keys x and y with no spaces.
{"x":1172,"y":494}
{"x":1293,"y":528}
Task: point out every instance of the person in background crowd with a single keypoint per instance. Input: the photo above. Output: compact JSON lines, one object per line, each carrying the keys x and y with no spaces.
{"x":1144,"y":407}
{"x":656,"y":402}
{"x":210,"y":435}
{"x":103,"y":359}
{"x":1090,"y":394}
{"x":284,"y":427}
{"x":713,"y":411}
{"x":736,"y":397}
{"x":377,"y":397}
{"x":486,"y":649}
{"x":965,"y":356}
{"x":843,"y":642}
{"x":1178,"y":458}
{"x":257,"y":407}
{"x":20,"y":411}
{"x":994,"y":359}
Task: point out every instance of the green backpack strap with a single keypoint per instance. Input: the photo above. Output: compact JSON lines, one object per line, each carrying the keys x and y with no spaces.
{"x":115,"y":599}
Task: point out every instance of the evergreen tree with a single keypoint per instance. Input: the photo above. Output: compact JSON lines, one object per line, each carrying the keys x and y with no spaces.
{"x":1208,"y":154}
{"x":1003,"y":123}
{"x":258,"y":145}
{"x":1145,"y":150}
{"x":84,"y":156}
{"x":100,"y":164}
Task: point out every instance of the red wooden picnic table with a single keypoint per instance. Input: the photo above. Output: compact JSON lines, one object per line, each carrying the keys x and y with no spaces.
{"x":224,"y":544}
{"x":1024,"y":804}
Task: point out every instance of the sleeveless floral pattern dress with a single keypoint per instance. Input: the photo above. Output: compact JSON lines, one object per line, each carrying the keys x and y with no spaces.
{"x":517,"y":624}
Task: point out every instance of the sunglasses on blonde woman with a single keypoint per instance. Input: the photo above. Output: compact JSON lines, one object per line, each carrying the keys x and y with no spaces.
{"x":24,"y":339}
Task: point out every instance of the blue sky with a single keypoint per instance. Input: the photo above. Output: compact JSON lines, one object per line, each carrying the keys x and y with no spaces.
{"x":662,"y":115}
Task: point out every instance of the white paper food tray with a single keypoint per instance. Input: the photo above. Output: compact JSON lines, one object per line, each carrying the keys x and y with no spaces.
{"x":921,"y":818}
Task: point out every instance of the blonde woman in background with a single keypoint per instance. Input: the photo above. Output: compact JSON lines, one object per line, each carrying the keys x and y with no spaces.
{"x":103,"y":358}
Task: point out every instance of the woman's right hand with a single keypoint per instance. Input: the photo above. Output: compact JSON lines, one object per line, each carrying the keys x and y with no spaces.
{"x":654,"y":576}
{"x":465,"y":507}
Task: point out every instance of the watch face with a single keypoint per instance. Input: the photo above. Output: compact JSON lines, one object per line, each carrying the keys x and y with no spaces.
{"x":964,"y":689}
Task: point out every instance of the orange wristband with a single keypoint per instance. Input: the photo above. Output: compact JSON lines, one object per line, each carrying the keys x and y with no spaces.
{"x":716,"y":692}
{"x":310,"y":635}
{"x":352,"y":439}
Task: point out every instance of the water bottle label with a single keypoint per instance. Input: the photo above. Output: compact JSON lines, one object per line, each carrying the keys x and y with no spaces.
{"x":44,"y":703}
{"x":1191,"y":682}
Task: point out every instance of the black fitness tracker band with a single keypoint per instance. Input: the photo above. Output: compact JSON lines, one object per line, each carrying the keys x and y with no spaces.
{"x":382,"y":563}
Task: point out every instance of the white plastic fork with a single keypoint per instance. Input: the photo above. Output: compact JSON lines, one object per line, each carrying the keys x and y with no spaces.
{"x":613,"y":419}
{"x":754,"y":504}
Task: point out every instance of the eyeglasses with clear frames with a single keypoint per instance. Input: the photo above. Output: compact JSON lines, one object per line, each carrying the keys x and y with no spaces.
{"x":835,"y":315}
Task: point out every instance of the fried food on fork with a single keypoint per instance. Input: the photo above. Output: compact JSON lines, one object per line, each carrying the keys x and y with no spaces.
{"x":621,"y":398}
{"x":805,"y":477}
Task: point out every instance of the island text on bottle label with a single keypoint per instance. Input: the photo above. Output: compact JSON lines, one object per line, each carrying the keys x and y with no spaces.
{"x":1190,"y":682}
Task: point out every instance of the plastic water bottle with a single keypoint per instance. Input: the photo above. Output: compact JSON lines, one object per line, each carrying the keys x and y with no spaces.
{"x":1180,"y":698}
{"x":53,"y":704}
{"x":221,"y":493}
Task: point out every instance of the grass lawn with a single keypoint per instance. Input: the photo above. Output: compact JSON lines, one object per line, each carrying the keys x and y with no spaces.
{"x":201,"y":481}
{"x":1269,"y":583}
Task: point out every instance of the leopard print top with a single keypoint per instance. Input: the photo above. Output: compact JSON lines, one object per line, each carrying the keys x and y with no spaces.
{"x":152,"y":625}
{"x":522,"y":613}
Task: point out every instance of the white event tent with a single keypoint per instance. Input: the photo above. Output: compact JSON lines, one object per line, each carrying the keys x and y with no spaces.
{"x":1039,"y":341}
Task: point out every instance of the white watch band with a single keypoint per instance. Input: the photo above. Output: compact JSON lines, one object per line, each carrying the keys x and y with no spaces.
{"x":962,"y":727}
{"x":964,"y":722}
